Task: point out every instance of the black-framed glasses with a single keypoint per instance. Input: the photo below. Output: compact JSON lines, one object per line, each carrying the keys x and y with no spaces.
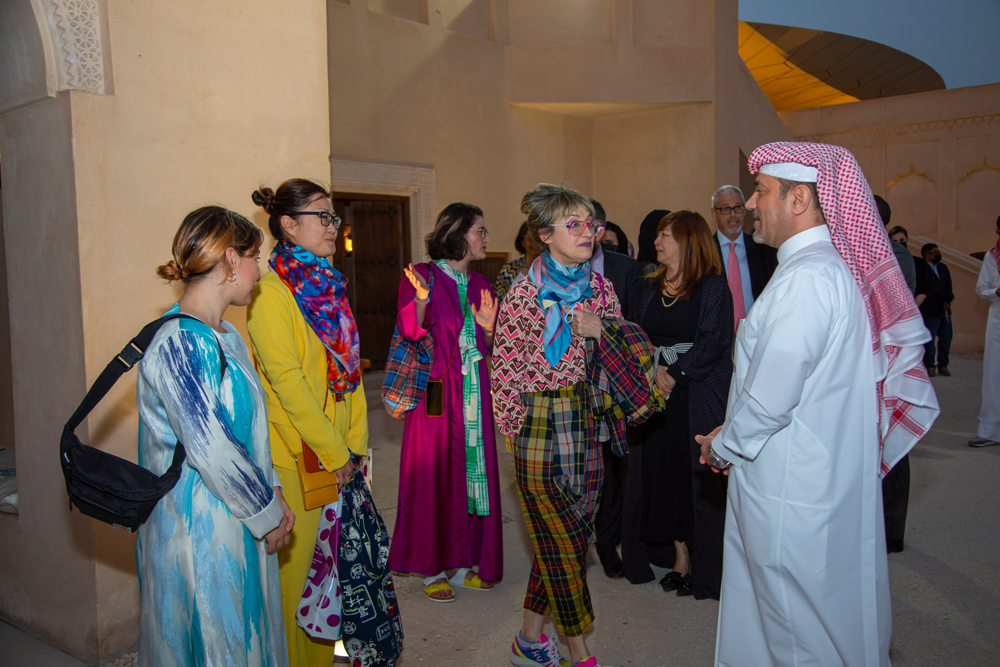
{"x":726,"y":210}
{"x":325,"y":218}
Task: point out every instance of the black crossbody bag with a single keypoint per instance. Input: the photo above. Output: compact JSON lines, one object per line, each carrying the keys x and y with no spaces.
{"x":102,"y":485}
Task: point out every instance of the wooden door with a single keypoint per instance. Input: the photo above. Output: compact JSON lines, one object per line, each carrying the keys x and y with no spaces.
{"x":378,"y":228}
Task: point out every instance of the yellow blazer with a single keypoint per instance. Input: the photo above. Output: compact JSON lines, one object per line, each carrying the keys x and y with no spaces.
{"x":291,"y":362}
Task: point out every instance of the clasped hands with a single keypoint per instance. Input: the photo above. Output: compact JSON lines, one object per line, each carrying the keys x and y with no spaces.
{"x":664,"y":382}
{"x":282,"y":535}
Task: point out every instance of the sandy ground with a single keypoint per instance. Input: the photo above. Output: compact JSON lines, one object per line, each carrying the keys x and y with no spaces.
{"x":945,"y":585}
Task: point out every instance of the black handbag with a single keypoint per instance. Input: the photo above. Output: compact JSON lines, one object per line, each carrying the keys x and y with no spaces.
{"x":102,"y":485}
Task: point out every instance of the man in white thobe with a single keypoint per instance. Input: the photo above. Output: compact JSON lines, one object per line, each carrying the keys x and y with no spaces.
{"x":805,"y":578}
{"x":988,"y":289}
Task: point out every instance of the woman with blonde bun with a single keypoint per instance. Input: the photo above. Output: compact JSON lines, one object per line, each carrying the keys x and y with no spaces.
{"x":208,"y":571}
{"x":305,"y":343}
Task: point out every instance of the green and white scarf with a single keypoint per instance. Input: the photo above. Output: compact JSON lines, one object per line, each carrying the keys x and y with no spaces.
{"x":475,"y":457}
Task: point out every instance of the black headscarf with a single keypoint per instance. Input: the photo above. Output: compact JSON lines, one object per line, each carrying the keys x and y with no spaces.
{"x":622,"y":246}
{"x":645,"y":253}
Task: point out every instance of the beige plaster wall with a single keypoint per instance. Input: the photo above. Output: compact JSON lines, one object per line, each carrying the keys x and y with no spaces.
{"x":403,"y":92}
{"x":935,"y":157}
{"x":613,"y":98}
{"x":641,"y":163}
{"x":23,"y":77}
{"x":725,"y":24}
{"x":759,"y":123}
{"x":623,"y":51}
{"x":211,"y":100}
{"x":47,"y":576}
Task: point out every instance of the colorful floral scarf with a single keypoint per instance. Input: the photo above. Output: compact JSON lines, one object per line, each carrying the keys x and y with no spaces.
{"x":560,"y":288}
{"x":475,"y":453}
{"x":320,"y":291}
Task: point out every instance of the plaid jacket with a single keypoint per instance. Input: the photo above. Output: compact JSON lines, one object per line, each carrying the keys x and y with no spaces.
{"x":622,"y":379}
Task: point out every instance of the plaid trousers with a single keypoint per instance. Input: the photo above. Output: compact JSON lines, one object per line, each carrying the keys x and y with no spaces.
{"x":559,"y":472}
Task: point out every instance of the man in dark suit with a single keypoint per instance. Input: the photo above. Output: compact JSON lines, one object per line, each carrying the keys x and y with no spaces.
{"x":626,"y":277}
{"x":624,"y":272}
{"x":747,"y":265}
{"x":934,"y":296}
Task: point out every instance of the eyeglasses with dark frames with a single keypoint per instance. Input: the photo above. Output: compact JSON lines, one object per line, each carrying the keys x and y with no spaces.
{"x":726,"y":210}
{"x":325,"y":218}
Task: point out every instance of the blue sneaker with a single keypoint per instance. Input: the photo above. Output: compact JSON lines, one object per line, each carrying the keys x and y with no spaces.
{"x":543,"y":653}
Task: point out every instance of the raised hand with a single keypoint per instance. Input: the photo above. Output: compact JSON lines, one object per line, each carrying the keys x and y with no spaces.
{"x":486,"y":314}
{"x":418,"y":282}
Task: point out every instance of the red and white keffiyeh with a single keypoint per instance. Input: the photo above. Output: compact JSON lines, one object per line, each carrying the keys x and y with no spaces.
{"x":908,"y":404}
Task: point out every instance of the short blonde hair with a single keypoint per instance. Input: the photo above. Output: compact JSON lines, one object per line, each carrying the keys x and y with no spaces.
{"x":546,"y":204}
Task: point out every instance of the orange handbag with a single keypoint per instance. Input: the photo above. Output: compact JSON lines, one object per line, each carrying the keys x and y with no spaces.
{"x":319,"y":487}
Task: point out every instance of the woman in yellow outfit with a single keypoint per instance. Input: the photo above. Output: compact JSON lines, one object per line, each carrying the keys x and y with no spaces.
{"x":305,"y":347}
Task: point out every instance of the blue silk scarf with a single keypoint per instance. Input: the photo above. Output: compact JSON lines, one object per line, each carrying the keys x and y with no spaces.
{"x":560,"y":289}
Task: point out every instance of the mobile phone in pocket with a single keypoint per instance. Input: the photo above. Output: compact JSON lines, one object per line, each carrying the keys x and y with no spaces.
{"x":434,"y":398}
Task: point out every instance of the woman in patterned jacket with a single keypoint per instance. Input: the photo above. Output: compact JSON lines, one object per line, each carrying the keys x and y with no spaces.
{"x":542,"y":406}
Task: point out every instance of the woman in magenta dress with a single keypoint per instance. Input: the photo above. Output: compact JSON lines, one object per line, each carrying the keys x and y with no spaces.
{"x":448,"y":518}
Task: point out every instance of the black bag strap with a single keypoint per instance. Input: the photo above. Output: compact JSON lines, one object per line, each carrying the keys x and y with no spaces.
{"x":124,"y":362}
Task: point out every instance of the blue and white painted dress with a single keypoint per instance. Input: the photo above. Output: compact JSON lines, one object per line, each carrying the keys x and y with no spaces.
{"x":210,"y":594}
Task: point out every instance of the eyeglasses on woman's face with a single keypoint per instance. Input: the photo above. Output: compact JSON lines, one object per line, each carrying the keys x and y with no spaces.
{"x":577,"y":227}
{"x":326,"y":218}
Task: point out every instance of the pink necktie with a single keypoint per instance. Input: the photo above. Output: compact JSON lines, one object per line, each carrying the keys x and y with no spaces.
{"x":735,"y":285}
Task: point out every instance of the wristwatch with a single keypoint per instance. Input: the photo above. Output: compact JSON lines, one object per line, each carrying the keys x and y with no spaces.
{"x":716,"y":461}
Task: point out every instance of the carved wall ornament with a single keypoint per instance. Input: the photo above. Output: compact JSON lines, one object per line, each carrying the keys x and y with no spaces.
{"x":413,"y":181}
{"x":854,"y":137}
{"x":911,"y":172}
{"x":982,"y":165}
{"x":79,"y":35}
